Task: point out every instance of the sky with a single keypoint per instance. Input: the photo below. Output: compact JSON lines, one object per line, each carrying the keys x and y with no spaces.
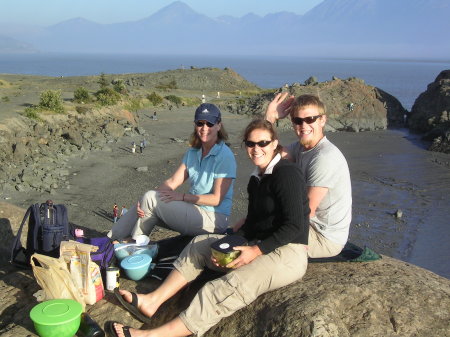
{"x":49,"y":12}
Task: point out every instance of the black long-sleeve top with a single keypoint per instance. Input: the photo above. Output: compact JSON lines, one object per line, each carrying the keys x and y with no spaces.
{"x":278,"y":208}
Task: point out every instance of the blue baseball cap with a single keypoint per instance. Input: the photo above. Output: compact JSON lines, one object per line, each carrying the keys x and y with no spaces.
{"x":208,"y":112}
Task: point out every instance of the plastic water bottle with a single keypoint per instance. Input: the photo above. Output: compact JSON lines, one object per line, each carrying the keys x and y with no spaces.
{"x":89,"y":327}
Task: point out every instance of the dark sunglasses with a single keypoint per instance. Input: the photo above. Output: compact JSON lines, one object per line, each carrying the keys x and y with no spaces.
{"x":261,"y":143}
{"x":201,"y":123}
{"x":307,"y":120}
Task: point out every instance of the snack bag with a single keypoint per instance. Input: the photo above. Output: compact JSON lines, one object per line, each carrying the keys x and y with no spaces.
{"x":85,"y":273}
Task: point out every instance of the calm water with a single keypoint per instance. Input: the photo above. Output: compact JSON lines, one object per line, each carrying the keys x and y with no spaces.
{"x":403,"y":79}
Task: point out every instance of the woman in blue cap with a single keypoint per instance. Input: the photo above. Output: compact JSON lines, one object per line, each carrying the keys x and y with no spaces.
{"x":210,"y":167}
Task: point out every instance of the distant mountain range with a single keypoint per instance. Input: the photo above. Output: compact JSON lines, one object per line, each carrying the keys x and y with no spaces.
{"x":334,"y":28}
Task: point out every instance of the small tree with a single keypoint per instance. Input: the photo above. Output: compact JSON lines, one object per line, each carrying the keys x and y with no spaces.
{"x":81,"y":95}
{"x":51,"y":100}
{"x":102,"y":81}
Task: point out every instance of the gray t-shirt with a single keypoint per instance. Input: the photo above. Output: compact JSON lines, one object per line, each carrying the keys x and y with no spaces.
{"x":325,"y":166}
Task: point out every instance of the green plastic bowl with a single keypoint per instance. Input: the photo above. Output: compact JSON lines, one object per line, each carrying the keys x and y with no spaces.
{"x":57,"y":318}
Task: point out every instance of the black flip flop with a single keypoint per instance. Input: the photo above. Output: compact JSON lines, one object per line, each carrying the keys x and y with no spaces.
{"x":132,"y":307}
{"x":110,"y":331}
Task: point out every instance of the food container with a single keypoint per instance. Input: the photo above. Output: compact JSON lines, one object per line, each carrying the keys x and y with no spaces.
{"x":123,"y":250}
{"x":57,"y":318}
{"x":136,"y":267}
{"x":150,"y":250}
{"x":222,"y":249}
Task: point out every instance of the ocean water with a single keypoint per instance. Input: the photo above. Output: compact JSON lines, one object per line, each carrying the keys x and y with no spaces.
{"x":403,"y":79}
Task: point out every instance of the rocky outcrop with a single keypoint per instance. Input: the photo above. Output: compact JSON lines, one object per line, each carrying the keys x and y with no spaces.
{"x":200,"y":79}
{"x":351,"y":104}
{"x":382,"y":298}
{"x":430,"y":113}
{"x":35,"y":153}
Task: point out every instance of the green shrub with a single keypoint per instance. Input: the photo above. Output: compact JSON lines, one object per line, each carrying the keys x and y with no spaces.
{"x":102,"y":81}
{"x":172,"y":84}
{"x":174,"y":99}
{"x":51,"y":100}
{"x":134,"y":104}
{"x":81,"y":95}
{"x":32,"y":112}
{"x":154,"y":98}
{"x":5,"y":99}
{"x":119,"y":86}
{"x":107,"y":96}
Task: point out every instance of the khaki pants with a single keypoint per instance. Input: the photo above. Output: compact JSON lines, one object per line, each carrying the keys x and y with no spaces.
{"x":320,"y":246}
{"x":239,"y":287}
{"x":180,"y":216}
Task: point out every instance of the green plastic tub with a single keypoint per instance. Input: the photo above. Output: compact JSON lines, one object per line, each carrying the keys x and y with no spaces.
{"x":57,"y":318}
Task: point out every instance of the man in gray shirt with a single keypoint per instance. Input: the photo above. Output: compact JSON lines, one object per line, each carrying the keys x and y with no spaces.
{"x":325,"y":170}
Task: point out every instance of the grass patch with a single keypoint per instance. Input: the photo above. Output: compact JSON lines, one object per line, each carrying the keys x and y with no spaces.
{"x":134,"y":104}
{"x":191,"y":101}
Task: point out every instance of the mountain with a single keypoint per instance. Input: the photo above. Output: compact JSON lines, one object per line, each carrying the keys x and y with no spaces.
{"x":334,"y":28}
{"x":11,"y":46}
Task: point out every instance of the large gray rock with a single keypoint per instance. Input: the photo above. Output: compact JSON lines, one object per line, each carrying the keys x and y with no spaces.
{"x":382,"y":298}
{"x":351,"y":104}
{"x":114,"y":129}
{"x":430,"y":113}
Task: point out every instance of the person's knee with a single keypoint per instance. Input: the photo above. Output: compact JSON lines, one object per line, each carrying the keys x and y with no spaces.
{"x":150,"y":197}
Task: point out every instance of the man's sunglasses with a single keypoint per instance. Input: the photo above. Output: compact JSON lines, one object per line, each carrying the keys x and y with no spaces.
{"x":307,"y":120}
{"x":261,"y":143}
{"x":201,"y":123}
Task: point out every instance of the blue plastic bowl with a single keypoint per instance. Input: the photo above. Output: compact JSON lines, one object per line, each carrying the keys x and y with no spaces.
{"x":136,"y":267}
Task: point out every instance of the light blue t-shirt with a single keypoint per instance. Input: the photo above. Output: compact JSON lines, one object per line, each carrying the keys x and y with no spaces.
{"x":219,"y":163}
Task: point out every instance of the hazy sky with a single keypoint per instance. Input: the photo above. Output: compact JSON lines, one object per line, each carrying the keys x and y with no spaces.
{"x":49,"y":12}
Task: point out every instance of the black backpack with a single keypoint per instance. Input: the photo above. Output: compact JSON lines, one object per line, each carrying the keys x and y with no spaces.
{"x":48,"y":225}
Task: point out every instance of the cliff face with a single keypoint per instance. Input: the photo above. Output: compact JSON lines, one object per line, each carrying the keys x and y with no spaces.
{"x":382,"y":298}
{"x":351,"y":104}
{"x":431,"y":112}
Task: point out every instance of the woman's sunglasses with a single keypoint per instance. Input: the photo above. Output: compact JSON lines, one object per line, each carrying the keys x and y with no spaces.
{"x":307,"y":120}
{"x":261,"y":143}
{"x":201,"y":123}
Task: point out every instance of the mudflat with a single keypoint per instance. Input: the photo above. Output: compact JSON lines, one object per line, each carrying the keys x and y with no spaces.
{"x":390,"y":170}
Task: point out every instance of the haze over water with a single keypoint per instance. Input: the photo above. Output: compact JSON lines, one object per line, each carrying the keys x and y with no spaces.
{"x":405,"y":80}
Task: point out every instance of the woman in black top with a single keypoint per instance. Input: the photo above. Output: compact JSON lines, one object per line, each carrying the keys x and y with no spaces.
{"x":276,"y":227}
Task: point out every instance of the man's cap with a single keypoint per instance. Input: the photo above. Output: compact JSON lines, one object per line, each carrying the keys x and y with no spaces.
{"x":207,"y":112}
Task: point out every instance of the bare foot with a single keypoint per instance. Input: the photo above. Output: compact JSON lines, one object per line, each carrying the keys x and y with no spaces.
{"x":134,"y":332}
{"x":147,"y":303}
